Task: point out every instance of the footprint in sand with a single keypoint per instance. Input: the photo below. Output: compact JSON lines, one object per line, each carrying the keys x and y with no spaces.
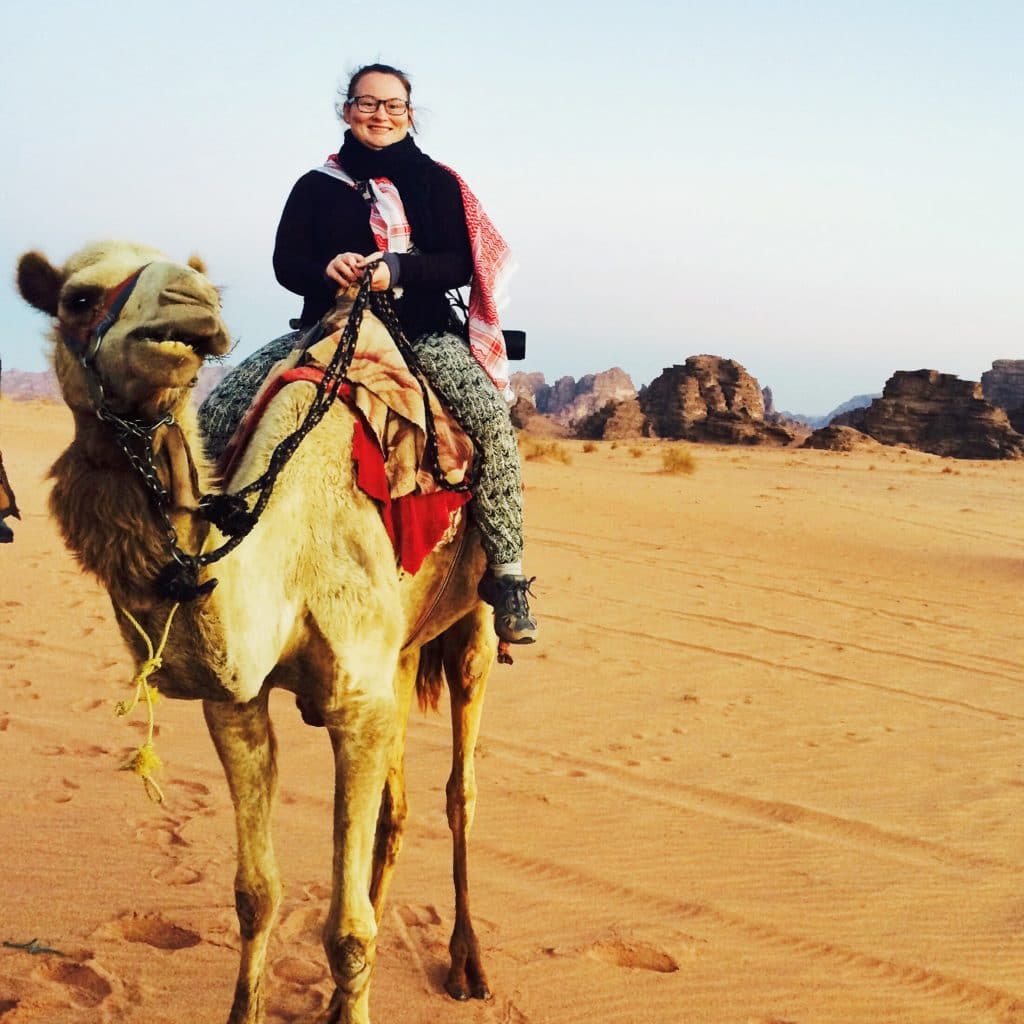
{"x":90,"y":704}
{"x":165,"y":832}
{"x":298,"y":971}
{"x":176,"y":874}
{"x":505,"y":1012}
{"x":295,"y":1004}
{"x":86,"y":988}
{"x":635,"y":955}
{"x":303,"y":923}
{"x":188,"y":797}
{"x":153,"y":930}
{"x":317,"y":891}
{"x":60,"y":750}
{"x":63,"y":795}
{"x":418,"y":916}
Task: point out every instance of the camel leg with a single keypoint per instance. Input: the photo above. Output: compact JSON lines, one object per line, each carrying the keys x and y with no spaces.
{"x":363,"y":733}
{"x":394,"y":807}
{"x":244,"y":739}
{"x":470,"y":648}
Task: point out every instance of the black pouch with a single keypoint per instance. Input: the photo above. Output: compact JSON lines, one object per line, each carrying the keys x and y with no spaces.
{"x":515,"y":341}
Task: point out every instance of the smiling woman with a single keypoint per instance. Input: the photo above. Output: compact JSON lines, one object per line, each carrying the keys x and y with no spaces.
{"x":381,"y":206}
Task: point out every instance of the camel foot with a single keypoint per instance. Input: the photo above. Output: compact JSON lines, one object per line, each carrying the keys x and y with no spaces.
{"x":466,"y":978}
{"x":342,"y":1010}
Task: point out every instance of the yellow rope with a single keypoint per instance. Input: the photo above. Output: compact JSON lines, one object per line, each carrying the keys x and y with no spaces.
{"x":144,"y":762}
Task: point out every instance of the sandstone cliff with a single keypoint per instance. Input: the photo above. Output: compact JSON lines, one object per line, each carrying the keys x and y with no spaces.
{"x":568,"y":401}
{"x":939,"y":413}
{"x":709,"y":398}
{"x":1003,"y":386}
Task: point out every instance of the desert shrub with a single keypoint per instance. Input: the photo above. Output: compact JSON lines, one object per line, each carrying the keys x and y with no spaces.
{"x":636,"y":451}
{"x":589,"y":446}
{"x":551,"y":451}
{"x":677,"y":459}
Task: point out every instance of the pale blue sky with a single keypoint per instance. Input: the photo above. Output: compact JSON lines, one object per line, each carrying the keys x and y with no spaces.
{"x":826,"y":192}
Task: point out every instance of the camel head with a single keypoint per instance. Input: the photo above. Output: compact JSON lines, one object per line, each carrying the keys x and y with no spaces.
{"x":127,"y":317}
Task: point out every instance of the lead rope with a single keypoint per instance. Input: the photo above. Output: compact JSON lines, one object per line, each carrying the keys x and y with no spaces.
{"x":145,"y":762}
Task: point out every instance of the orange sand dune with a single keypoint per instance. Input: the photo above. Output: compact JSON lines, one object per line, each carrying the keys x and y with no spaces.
{"x":766,"y":767}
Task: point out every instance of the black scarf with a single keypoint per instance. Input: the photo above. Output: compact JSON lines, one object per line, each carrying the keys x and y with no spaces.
{"x":408,"y":167}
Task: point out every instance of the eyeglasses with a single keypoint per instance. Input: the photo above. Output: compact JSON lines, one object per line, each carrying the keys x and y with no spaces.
{"x":370,"y":105}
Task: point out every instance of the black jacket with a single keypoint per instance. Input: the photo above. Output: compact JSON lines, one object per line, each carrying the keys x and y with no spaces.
{"x":324,"y":217}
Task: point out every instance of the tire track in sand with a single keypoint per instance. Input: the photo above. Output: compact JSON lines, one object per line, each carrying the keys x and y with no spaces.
{"x":827,"y":677}
{"x":705,"y":574}
{"x":777,"y":815}
{"x":1012,"y":674}
{"x":934,"y":985}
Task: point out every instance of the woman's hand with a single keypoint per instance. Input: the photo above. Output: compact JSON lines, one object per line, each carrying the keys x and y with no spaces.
{"x":347,"y":269}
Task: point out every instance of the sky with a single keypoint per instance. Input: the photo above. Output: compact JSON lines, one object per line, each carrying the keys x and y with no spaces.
{"x":825,"y":191}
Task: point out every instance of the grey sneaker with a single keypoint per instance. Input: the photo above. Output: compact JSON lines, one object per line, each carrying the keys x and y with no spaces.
{"x":507,"y":595}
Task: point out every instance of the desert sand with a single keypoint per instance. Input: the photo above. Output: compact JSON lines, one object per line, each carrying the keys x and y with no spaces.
{"x":766,"y":767}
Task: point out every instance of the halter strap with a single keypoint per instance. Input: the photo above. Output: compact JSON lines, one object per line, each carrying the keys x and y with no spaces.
{"x":106,"y":316}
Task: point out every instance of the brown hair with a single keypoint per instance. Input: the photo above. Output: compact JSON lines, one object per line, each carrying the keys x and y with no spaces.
{"x":366,"y":69}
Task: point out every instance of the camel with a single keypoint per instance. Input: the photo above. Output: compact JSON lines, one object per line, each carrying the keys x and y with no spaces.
{"x":310,"y":600}
{"x":8,"y":505}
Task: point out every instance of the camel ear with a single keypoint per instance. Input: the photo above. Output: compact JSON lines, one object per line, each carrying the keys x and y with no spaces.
{"x":39,"y":282}
{"x":197,"y":262}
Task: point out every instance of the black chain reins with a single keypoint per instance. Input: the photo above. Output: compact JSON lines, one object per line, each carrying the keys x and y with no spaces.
{"x":231,"y":513}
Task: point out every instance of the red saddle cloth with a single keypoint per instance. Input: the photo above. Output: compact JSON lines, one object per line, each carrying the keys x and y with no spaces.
{"x":415,"y":522}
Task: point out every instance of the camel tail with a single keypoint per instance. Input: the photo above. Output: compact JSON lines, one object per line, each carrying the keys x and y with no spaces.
{"x":430,"y":675}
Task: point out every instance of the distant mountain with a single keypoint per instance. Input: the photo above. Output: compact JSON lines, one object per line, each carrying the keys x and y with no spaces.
{"x":857,"y":402}
{"x":25,"y":386}
{"x":41,"y":386}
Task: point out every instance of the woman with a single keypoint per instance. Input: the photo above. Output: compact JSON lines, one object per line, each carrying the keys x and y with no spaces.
{"x":380,"y":198}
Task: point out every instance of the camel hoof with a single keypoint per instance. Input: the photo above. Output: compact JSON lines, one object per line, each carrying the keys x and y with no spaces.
{"x":458,"y":986}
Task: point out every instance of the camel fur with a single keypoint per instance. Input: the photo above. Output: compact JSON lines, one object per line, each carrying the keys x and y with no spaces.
{"x":310,"y":601}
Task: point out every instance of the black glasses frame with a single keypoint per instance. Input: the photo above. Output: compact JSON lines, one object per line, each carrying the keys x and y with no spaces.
{"x":370,"y":105}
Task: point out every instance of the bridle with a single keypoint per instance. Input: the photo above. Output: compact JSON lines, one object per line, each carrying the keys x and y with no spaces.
{"x":87,"y":347}
{"x":231,"y":513}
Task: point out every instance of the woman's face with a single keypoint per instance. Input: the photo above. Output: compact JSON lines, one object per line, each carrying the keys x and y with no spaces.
{"x":379,"y":129}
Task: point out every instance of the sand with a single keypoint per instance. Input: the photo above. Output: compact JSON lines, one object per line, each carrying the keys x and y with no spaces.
{"x":765,"y":767}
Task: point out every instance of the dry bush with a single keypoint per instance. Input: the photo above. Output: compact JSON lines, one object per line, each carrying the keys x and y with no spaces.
{"x":678,"y":459}
{"x":636,"y":452}
{"x":589,"y":446}
{"x":551,"y":451}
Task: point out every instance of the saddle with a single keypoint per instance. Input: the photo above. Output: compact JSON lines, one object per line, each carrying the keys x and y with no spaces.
{"x":400,"y":425}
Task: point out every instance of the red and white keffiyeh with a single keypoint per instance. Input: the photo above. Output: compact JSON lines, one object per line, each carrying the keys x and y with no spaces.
{"x":492,"y":263}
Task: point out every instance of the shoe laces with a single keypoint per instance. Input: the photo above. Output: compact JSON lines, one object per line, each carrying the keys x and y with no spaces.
{"x":514,"y":595}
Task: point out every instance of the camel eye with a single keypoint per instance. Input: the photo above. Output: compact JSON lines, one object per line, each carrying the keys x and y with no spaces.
{"x":81,"y":300}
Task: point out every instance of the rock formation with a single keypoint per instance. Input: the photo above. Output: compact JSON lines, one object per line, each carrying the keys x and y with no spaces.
{"x":939,"y":413}
{"x":709,"y":399}
{"x":569,"y":401}
{"x":1003,"y":386}
{"x":838,"y":438}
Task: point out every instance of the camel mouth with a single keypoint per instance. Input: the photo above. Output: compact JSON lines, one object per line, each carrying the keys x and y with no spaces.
{"x":203,"y":338}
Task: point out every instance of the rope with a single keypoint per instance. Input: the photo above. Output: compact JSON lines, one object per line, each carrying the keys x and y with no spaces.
{"x":144,"y":762}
